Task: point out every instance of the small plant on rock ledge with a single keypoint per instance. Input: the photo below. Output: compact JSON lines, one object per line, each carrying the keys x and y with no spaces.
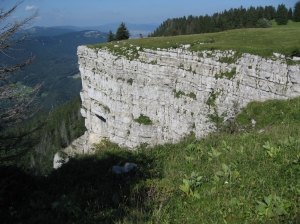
{"x":142,"y":119}
{"x":129,"y":81}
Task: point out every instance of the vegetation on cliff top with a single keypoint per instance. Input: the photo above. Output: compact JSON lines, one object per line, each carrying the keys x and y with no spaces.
{"x":257,"y":41}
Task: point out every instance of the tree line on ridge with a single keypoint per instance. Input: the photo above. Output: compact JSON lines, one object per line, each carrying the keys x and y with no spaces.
{"x":234,"y":18}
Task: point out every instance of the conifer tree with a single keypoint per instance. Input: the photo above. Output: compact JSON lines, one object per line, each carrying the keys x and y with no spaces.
{"x":297,"y":12}
{"x":290,"y":14}
{"x":122,"y":32}
{"x":111,"y":36}
{"x":282,"y":15}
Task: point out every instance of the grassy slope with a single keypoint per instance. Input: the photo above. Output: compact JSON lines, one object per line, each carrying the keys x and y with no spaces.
{"x":263,"y":42}
{"x":241,"y":174}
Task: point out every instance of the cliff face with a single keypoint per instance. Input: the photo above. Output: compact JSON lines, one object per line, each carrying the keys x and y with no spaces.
{"x":176,"y":89}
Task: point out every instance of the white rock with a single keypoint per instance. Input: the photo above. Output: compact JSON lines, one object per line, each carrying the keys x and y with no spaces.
{"x":296,"y":58}
{"x":162,"y":91}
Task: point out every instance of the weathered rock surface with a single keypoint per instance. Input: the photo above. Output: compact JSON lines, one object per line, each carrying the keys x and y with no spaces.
{"x":177,"y":89}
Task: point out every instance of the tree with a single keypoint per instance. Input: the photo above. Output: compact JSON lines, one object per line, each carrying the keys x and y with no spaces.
{"x":122,"y":32}
{"x":111,"y":36}
{"x":263,"y":23}
{"x":282,"y":15}
{"x":297,"y":12}
{"x":171,"y":32}
{"x":252,"y":17}
{"x":15,"y":103}
{"x":270,"y":12}
{"x":290,"y":14}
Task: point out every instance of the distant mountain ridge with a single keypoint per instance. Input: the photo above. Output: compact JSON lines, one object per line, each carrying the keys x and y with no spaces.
{"x":134,"y":29}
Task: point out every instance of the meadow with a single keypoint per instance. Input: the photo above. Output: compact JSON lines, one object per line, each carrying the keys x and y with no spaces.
{"x":258,"y":41}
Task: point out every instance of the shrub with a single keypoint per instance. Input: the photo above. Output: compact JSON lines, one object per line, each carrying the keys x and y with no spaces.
{"x":295,"y":53}
{"x":263,"y":23}
{"x":142,"y":119}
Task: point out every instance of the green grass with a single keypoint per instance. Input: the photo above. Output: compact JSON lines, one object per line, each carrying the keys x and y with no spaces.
{"x":240,"y":174}
{"x":290,"y":24}
{"x":262,"y":42}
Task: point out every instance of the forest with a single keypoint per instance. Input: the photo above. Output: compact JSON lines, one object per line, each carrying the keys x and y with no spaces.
{"x":234,"y":18}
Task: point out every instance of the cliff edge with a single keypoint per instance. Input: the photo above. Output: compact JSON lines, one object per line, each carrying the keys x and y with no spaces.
{"x":159,"y":96}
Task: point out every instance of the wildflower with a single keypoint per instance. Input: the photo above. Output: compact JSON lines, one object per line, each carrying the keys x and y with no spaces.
{"x":226,"y":182}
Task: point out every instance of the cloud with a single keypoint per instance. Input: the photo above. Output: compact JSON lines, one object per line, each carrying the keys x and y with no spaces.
{"x":30,"y":7}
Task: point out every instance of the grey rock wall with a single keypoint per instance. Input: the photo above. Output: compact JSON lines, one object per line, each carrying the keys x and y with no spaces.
{"x":177,"y":89}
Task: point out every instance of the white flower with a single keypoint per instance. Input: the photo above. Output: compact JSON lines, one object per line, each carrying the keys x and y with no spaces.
{"x":226,"y":182}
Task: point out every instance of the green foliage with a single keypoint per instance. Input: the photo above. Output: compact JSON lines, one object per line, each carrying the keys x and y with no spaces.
{"x":263,"y":23}
{"x":274,"y":112}
{"x":272,"y":151}
{"x":62,"y":126}
{"x":130,"y":81}
{"x":262,"y":42}
{"x":111,"y":36}
{"x":282,"y":15}
{"x":227,"y":74}
{"x":171,"y":32}
{"x":192,"y":95}
{"x":290,"y":14}
{"x":234,"y":18}
{"x":296,"y":16}
{"x":178,"y":94}
{"x":295,"y":53}
{"x":231,"y":59}
{"x":190,"y":184}
{"x":212,"y":98}
{"x":142,"y":119}
{"x":122,"y":32}
{"x":129,"y":51}
{"x":213,"y":153}
{"x":272,"y":206}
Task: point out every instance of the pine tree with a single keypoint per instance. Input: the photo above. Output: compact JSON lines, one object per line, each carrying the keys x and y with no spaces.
{"x":270,"y":12}
{"x":290,"y":14}
{"x":297,"y":12}
{"x":111,"y":36}
{"x":282,"y":15}
{"x":122,"y":32}
{"x":252,"y":17}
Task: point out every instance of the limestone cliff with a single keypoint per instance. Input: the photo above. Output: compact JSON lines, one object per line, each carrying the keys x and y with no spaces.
{"x":176,"y":89}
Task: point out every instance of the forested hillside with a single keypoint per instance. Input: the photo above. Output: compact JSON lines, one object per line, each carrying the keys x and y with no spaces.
{"x":234,"y":18}
{"x":57,"y":129}
{"x":55,"y":65}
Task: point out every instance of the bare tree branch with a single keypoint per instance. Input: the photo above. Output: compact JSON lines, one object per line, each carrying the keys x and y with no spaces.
{"x":15,"y":105}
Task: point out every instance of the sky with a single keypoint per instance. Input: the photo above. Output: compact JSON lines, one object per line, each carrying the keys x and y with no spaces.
{"x":84,"y":13}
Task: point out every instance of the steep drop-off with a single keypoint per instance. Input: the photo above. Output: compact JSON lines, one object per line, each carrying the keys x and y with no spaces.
{"x":178,"y":90}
